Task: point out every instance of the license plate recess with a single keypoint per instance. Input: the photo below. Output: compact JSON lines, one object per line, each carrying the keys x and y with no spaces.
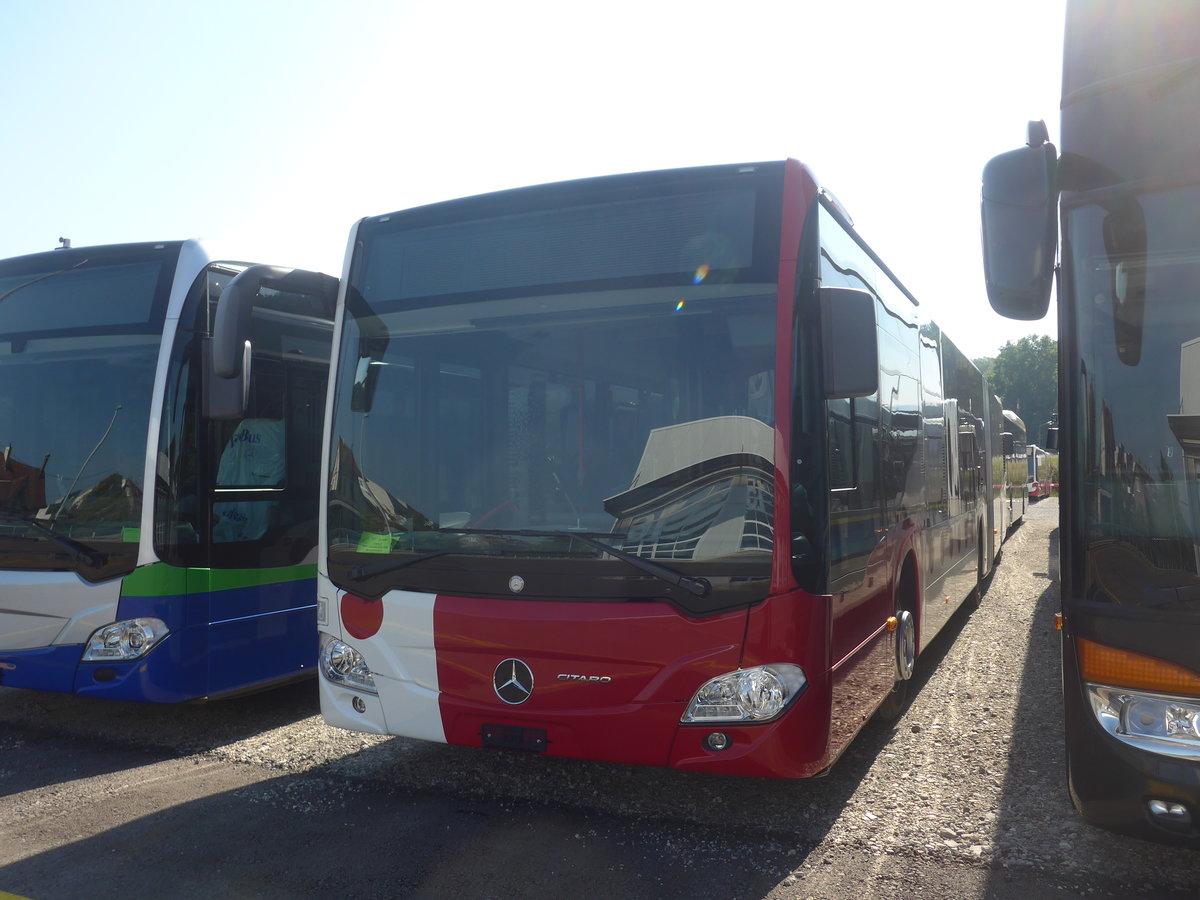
{"x":514,"y":737}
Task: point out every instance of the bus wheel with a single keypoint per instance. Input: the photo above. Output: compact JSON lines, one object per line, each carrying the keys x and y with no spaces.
{"x":906,"y":660}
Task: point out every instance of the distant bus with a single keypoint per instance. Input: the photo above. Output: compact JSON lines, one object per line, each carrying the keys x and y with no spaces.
{"x":1016,"y":482}
{"x":1039,"y":486}
{"x":661,"y":468}
{"x":158,"y":506}
{"x":1126,"y":190}
{"x":1005,"y":509}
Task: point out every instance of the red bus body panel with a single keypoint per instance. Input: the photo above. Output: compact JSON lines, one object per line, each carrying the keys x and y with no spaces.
{"x":650,"y":659}
{"x":653,"y":657}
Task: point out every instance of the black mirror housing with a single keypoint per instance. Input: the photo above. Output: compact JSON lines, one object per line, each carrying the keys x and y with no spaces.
{"x":222,"y":397}
{"x":228,"y":352}
{"x":851,"y":348}
{"x":370,"y":353}
{"x":1019,"y":211}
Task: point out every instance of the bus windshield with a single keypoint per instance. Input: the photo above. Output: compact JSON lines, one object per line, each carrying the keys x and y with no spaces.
{"x":79,"y":342}
{"x":1134,"y":264}
{"x":602,"y":371}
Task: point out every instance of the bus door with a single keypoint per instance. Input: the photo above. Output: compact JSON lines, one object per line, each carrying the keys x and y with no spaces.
{"x":254,"y":479}
{"x":858,"y":564}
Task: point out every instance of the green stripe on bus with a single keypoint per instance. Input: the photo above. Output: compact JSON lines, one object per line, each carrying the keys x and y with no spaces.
{"x":161,"y":580}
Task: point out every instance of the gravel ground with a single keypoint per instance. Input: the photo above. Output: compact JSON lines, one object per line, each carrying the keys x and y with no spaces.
{"x":964,"y":796}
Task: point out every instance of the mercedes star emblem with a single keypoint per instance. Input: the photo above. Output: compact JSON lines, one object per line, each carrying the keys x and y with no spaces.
{"x":513,"y":681}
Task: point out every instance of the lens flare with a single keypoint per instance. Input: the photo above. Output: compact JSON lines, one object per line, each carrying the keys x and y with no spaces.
{"x":701,"y":274}
{"x":679,"y":306}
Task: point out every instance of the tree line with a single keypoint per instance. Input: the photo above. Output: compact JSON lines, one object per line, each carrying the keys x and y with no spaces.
{"x":1024,"y":375}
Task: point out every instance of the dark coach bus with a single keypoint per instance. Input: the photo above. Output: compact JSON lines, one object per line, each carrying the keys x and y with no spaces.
{"x":1126,"y":193}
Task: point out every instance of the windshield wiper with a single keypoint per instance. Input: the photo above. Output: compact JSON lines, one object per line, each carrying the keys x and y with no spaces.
{"x":80,"y":552}
{"x":358,"y":573}
{"x":700,"y":587}
{"x":33,"y":281}
{"x":693,"y":584}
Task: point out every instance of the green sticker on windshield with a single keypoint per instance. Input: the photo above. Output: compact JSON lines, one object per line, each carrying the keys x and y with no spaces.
{"x":371,"y":542}
{"x":131,"y":535}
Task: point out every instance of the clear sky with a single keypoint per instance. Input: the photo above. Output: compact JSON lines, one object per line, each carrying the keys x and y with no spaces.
{"x":278,"y":123}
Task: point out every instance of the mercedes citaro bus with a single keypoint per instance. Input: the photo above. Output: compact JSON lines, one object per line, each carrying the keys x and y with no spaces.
{"x":663,"y":468}
{"x":158,"y":501}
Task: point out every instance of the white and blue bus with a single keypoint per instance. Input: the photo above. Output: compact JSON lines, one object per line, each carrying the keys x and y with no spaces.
{"x":158,"y":502}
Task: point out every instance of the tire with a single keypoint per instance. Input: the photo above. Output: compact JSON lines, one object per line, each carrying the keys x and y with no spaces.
{"x":896,"y":701}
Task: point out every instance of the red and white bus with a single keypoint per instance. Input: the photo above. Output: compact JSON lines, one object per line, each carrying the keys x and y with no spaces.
{"x":662,"y":468}
{"x":1039,"y":485}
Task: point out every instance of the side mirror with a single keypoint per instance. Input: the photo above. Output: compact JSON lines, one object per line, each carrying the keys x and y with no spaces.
{"x":228,"y":352}
{"x":366,"y":374}
{"x":1052,"y":438}
{"x":1020,"y":227}
{"x":851,"y":348}
{"x":225,"y":397}
{"x":1124,"y":232}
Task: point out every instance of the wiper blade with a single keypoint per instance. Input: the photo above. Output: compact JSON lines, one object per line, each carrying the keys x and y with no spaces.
{"x":699,"y":587}
{"x":33,"y":281}
{"x":80,"y":552}
{"x":359,"y":573}
{"x":695,"y":585}
{"x":532,"y":532}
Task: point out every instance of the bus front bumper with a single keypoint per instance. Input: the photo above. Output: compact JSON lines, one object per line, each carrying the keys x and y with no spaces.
{"x":154,"y":677}
{"x":1124,"y":788}
{"x":647,"y":734}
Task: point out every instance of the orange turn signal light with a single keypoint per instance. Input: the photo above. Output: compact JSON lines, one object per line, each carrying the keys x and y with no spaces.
{"x":1123,"y":668}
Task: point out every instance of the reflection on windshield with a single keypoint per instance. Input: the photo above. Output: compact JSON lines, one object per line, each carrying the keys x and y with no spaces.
{"x":89,"y":449}
{"x":715,"y":503}
{"x":640,"y":419}
{"x":22,"y":486}
{"x":77,"y":358}
{"x":1140,"y":421}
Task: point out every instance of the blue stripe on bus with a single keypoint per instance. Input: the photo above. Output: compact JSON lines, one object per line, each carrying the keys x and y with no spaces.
{"x":219,"y":642}
{"x":43,"y":669}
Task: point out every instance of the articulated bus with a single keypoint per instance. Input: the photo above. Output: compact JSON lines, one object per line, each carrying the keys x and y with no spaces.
{"x":1126,"y":192}
{"x":158,"y":500}
{"x":1015,"y":483}
{"x":661,"y":468}
{"x":1006,"y":437}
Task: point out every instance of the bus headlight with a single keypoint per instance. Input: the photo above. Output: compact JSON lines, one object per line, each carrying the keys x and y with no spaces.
{"x":747,"y":695}
{"x":342,"y":664}
{"x":1158,"y":723}
{"x":123,"y":641}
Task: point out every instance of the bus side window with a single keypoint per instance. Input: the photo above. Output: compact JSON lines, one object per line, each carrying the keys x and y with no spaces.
{"x":255,"y":456}
{"x":841,"y":445}
{"x":866,"y":420}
